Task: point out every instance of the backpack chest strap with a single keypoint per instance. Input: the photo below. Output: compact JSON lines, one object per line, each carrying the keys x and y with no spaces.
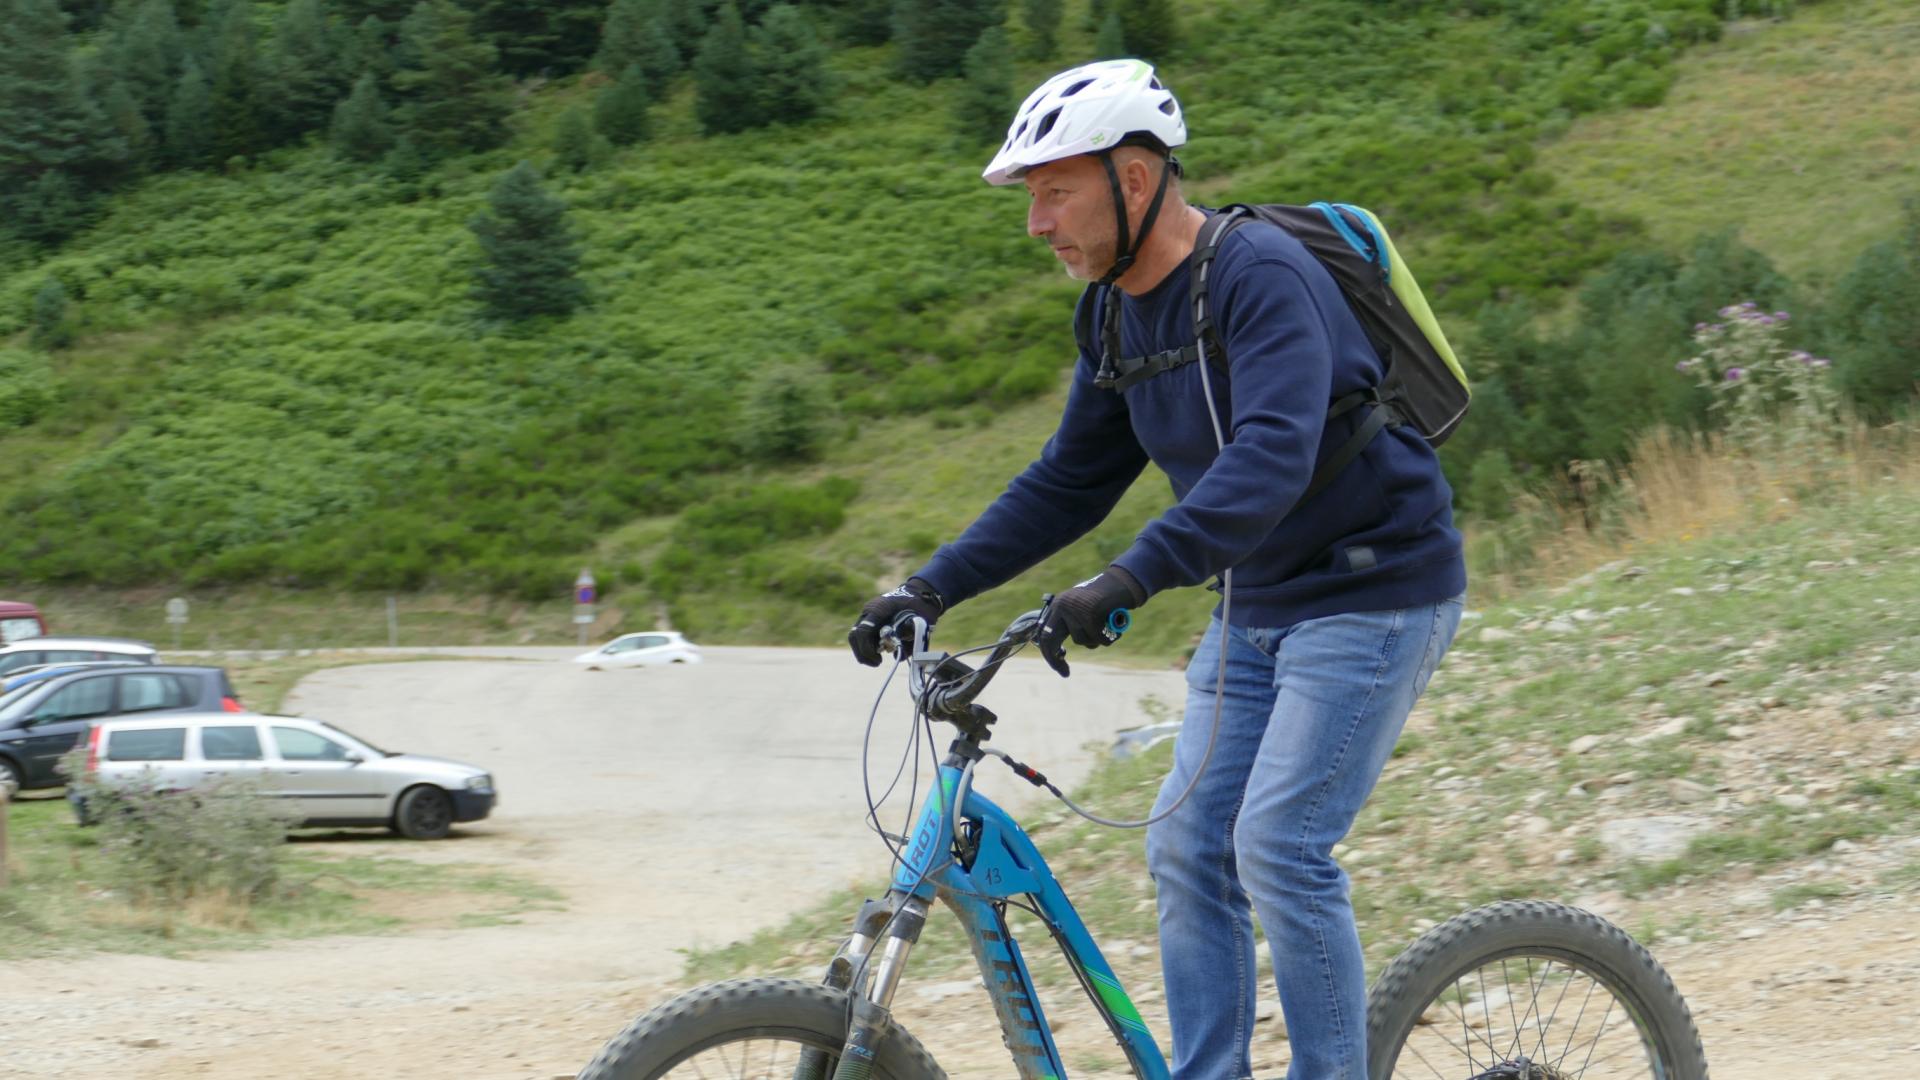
{"x":1118,"y":375}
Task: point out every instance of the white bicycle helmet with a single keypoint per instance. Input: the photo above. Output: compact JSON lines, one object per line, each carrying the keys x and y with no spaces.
{"x":1085,"y":110}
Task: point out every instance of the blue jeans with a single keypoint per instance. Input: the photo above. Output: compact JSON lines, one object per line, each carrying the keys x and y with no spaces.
{"x":1311,"y":714}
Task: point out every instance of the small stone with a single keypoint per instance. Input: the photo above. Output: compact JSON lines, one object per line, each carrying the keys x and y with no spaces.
{"x":1266,"y":1010}
{"x":1633,"y":572}
{"x":1771,"y":701}
{"x":1793,"y":802}
{"x":1687,"y":791}
{"x":1583,"y":744}
{"x":1560,"y":625}
{"x":1494,"y":633}
{"x":1535,"y":826}
{"x":1752,"y":932}
{"x":1739,"y":731}
{"x":1718,"y":678}
{"x":1681,"y":591}
{"x":144,"y":1044}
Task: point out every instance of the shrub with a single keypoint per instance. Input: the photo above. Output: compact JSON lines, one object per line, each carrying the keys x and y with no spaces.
{"x":169,"y":847}
{"x":27,"y":388}
{"x":787,"y":417}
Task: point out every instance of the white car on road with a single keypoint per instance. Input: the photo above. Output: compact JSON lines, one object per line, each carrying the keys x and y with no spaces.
{"x":641,"y":650}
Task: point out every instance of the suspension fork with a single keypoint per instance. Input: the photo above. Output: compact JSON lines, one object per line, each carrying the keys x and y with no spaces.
{"x":869,"y":988}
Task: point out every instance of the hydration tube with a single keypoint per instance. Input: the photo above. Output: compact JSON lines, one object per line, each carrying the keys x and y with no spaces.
{"x":1220,"y":680}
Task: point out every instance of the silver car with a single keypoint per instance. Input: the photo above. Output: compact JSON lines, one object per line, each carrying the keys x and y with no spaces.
{"x":326,"y":776}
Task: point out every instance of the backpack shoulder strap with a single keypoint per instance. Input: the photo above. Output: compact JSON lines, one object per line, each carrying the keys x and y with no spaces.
{"x":1200,"y":275}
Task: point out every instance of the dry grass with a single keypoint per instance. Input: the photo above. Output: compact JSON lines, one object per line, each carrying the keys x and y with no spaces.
{"x":1678,"y":487}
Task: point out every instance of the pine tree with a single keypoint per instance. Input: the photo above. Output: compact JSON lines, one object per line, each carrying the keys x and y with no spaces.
{"x":123,"y":113}
{"x":308,"y":66}
{"x":934,"y":35}
{"x":46,"y":122}
{"x":1043,"y":27}
{"x":189,"y":134}
{"x":620,"y":112}
{"x":1149,"y":27}
{"x":575,"y":144}
{"x":146,"y":49}
{"x":455,"y":100}
{"x":360,"y":129}
{"x":985,"y":102}
{"x":529,"y":261}
{"x":369,"y":49}
{"x":636,"y":33}
{"x":552,"y":37}
{"x":50,"y":327}
{"x":864,"y":22}
{"x":1111,"y":42}
{"x":793,"y":66}
{"x":687,"y":23}
{"x":51,"y":207}
{"x":725,"y":76}
{"x":238,"y":106}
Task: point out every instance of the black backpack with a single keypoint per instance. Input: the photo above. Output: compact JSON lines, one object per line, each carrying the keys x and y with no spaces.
{"x":1424,"y":386}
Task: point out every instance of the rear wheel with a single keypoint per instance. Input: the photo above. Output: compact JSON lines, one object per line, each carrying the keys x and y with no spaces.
{"x":751,"y":1028}
{"x":424,"y":813}
{"x":1525,"y":990}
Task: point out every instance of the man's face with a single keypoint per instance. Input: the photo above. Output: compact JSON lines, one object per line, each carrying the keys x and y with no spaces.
{"x":1072,"y":210}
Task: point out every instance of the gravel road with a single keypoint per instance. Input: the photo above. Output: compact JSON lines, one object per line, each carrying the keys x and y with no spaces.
{"x":673,"y":807}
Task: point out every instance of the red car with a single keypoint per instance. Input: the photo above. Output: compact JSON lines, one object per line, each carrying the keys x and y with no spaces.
{"x":19,"y":621}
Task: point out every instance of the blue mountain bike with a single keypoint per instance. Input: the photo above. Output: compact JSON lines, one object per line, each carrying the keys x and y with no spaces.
{"x":1518,"y":990}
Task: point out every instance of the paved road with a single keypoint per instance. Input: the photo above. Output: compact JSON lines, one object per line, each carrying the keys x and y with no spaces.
{"x":673,"y":807}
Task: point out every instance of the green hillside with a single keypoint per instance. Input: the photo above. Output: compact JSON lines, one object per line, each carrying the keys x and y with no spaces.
{"x":812,"y":350}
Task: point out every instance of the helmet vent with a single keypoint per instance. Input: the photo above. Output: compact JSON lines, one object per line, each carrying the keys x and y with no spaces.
{"x":1046,"y":125}
{"x":1076,"y":88}
{"x":1017,"y":132}
{"x":1167,"y":107}
{"x":1155,"y":83}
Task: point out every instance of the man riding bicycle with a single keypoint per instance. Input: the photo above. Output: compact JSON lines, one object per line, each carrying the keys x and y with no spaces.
{"x":1341,"y":604}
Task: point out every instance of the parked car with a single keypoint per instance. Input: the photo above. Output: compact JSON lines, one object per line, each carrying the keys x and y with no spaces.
{"x":33,"y":673}
{"x":20,"y":621}
{"x":327,"y":776}
{"x":43,"y":720}
{"x":65,"y":650}
{"x":641,"y":650}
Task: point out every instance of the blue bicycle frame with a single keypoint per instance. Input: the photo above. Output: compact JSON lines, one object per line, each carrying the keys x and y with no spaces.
{"x":1005,"y":864}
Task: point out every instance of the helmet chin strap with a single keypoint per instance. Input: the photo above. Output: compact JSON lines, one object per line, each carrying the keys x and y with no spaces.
{"x":1132,"y":251}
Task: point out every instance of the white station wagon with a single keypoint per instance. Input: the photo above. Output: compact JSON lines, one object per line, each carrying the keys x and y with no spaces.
{"x":328,"y":776}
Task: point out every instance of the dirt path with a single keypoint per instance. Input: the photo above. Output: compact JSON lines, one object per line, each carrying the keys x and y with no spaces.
{"x":628,"y":792}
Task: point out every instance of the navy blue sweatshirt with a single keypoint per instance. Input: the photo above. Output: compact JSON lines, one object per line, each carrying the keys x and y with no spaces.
{"x":1380,"y":535}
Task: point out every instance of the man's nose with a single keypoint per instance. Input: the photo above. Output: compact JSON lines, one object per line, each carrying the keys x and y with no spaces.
{"x":1039,"y":221}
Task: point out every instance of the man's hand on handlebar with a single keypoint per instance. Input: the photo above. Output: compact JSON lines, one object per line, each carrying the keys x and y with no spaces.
{"x":1093,"y":613}
{"x":914,"y":597}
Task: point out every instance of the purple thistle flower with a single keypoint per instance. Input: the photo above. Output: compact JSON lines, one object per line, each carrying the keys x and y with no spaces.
{"x":1699,"y":326}
{"x":1780,"y":316}
{"x":1764,"y":320}
{"x":1749,"y":305}
{"x":1734,"y":374}
{"x":1801,"y":355}
{"x":1729,"y":312}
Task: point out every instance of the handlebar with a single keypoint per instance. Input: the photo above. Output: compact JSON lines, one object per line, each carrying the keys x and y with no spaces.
{"x":944,"y":685}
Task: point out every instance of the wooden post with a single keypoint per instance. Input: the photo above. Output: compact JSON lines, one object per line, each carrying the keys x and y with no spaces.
{"x":5,"y":805}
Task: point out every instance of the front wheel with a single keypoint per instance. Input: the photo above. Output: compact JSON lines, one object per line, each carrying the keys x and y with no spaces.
{"x":751,"y":1028}
{"x":424,"y":813}
{"x":1527,"y":990}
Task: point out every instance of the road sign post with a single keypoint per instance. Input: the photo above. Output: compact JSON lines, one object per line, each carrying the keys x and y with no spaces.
{"x":177,"y":616}
{"x":583,"y":596}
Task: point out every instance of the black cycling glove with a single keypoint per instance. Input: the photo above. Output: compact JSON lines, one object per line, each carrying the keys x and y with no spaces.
{"x":915,"y":596}
{"x":1086,"y":614}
